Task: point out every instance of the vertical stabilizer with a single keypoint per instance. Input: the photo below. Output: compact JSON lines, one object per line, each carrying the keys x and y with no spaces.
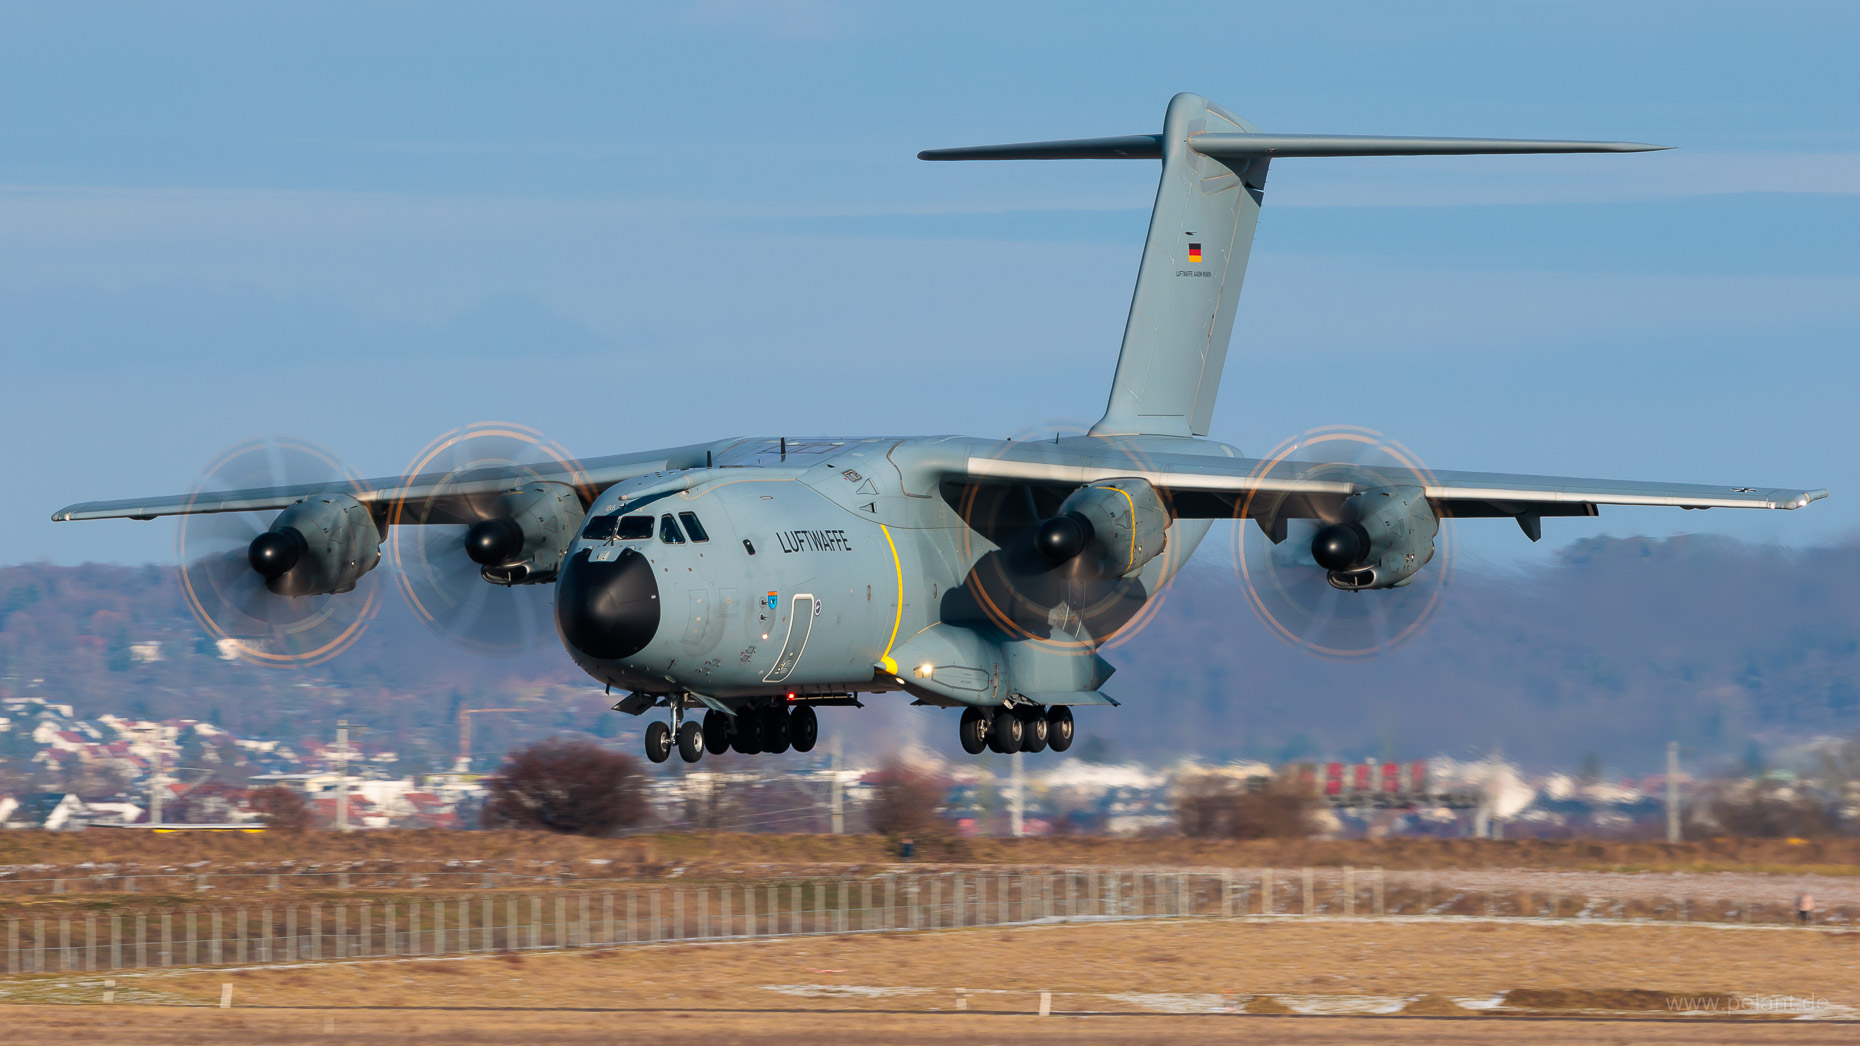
{"x":1207,"y":204}
{"x":1188,"y":284}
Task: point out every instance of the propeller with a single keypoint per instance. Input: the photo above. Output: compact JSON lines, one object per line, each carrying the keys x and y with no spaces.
{"x":440,"y":564}
{"x":1286,"y":581}
{"x":236,"y":570}
{"x":1030,"y":578}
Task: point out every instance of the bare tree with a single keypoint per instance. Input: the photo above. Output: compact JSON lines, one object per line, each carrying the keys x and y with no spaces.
{"x":284,"y":810}
{"x":567,"y":785}
{"x":1216,"y":807}
{"x":908,"y":803}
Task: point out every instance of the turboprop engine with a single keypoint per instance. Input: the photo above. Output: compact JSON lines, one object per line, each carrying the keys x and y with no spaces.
{"x":1379,"y":539}
{"x":318,"y":546}
{"x":525,"y":533}
{"x":1119,"y":524}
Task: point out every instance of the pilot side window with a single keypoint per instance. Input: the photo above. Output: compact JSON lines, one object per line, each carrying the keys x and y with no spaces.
{"x":635,"y":528}
{"x":693,"y":527}
{"x":600,"y":528}
{"x":669,"y":532}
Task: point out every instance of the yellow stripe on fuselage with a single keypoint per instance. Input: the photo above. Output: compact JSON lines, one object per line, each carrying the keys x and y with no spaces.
{"x":898,"y":569}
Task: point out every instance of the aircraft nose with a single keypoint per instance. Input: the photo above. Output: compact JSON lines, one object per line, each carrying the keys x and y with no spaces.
{"x":607,"y":609}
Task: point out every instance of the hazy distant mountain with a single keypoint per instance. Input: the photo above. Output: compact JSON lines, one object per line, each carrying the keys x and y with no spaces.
{"x":1620,"y":646}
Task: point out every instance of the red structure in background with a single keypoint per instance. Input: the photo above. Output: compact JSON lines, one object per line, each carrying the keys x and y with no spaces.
{"x":1397,"y":785}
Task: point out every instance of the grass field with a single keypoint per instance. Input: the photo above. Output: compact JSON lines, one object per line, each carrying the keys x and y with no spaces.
{"x":1316,"y":965}
{"x":81,"y":853}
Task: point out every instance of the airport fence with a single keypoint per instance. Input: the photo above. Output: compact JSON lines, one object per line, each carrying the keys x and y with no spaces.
{"x":656,"y":912}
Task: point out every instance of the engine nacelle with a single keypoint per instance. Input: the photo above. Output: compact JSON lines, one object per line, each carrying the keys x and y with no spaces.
{"x":528,"y":533}
{"x":1121,"y":523}
{"x":1383,"y":537}
{"x":318,"y":546}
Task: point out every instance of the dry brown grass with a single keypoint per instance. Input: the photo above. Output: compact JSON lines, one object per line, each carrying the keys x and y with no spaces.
{"x":1617,"y":999}
{"x":144,"y":1026}
{"x":1084,"y":965}
{"x":724,"y":853}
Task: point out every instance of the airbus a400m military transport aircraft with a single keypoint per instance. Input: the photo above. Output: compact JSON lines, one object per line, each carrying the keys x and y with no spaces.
{"x":753,"y":579}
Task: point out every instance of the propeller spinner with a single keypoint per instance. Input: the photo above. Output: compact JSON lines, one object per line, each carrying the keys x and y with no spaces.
{"x":1305,"y":561}
{"x":281,"y":588}
{"x":1041,"y":579}
{"x":470,"y":567}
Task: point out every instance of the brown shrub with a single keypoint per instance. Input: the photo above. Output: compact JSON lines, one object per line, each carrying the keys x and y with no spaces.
{"x":284,"y":810}
{"x":908,"y":804}
{"x":567,"y":785}
{"x":1216,"y":807}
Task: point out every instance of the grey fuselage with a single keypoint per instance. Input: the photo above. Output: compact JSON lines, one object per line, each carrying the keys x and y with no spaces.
{"x":840,"y":566}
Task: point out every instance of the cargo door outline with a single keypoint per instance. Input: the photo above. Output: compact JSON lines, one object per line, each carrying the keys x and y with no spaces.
{"x":800,"y":625}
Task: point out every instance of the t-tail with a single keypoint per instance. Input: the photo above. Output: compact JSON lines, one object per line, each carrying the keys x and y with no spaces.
{"x":1201,"y":231}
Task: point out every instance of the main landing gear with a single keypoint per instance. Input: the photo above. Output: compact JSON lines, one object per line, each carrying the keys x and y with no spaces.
{"x":767,"y":728}
{"x":1027,"y":728}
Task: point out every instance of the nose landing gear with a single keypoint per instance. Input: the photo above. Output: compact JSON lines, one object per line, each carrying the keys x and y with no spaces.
{"x":685,"y":734}
{"x":690,"y":742}
{"x":658,"y":741}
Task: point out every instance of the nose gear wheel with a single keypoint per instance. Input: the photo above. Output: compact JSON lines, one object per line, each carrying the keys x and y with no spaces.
{"x":658,"y":741}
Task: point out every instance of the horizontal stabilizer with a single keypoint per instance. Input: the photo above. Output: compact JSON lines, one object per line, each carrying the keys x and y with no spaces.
{"x":1247,"y":146}
{"x":1242,"y":146}
{"x":1123,"y":147}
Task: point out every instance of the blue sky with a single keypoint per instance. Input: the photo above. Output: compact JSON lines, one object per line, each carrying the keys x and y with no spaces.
{"x":368,"y":224}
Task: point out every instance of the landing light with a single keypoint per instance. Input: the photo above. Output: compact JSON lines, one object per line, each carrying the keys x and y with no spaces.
{"x":925,"y":671}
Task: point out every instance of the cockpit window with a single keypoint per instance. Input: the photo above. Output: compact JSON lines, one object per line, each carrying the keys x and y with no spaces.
{"x":635,"y":528}
{"x":600,"y":528}
{"x":669,"y":532}
{"x":693,"y":527}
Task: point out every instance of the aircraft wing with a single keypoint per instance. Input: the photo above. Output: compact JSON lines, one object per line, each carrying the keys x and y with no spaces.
{"x":1202,"y":486}
{"x":423,"y":499}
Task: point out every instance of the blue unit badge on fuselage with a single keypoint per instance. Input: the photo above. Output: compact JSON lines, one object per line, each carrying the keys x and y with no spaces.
{"x":771,"y":601}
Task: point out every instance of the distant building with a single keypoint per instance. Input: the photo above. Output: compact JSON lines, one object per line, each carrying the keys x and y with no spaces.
{"x":51,"y":811}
